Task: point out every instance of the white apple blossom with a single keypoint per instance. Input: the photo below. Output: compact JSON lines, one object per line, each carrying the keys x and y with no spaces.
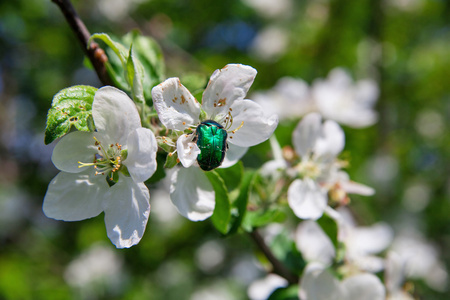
{"x":421,"y":259}
{"x":289,"y":98}
{"x":319,"y":171}
{"x":105,"y":170}
{"x":96,"y":268}
{"x":337,"y":98}
{"x":318,"y":282}
{"x":261,"y":289}
{"x":362,"y":242}
{"x":222,"y":102}
{"x":394,"y":277}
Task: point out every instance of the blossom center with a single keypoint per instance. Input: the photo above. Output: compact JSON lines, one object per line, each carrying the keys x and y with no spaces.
{"x":227,"y":122}
{"x":309,"y":169}
{"x":107,"y":161}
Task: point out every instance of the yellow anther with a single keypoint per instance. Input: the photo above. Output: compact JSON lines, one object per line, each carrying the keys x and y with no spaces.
{"x":240,"y":126}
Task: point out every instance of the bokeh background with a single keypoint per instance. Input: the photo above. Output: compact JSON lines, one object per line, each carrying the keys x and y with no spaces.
{"x":404,"y":45}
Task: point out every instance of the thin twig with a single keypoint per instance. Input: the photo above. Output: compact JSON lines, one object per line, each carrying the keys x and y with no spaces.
{"x":93,"y":52}
{"x":277,"y":266}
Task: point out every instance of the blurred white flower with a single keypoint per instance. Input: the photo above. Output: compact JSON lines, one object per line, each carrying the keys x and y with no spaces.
{"x":116,"y":10}
{"x":96,"y":269}
{"x":362,"y":242}
{"x":246,"y":269}
{"x":430,"y":124}
{"x":337,"y":98}
{"x":421,"y":259}
{"x":224,"y":109}
{"x":270,"y":43}
{"x":394,"y":277}
{"x":318,"y":283}
{"x":406,"y":5}
{"x":14,"y":209}
{"x":270,"y":8}
{"x":417,"y":196}
{"x":210,"y":256}
{"x":262,"y":288}
{"x":105,"y":170}
{"x":382,"y":170}
{"x":359,"y":243}
{"x":214,"y":291}
{"x":314,"y":244}
{"x":289,"y":98}
{"x":350,"y":103}
{"x":318,"y":145}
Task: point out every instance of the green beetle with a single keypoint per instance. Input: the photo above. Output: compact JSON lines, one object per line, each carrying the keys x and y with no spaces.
{"x":211,"y":139}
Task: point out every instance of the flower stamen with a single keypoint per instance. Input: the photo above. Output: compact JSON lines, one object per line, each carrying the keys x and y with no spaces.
{"x":106,"y":160}
{"x":239,"y":127}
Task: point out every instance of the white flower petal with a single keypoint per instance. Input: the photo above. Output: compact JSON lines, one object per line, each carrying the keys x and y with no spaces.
{"x":75,"y":147}
{"x":339,"y":98}
{"x":115,"y":115}
{"x":306,"y":133}
{"x":192,"y":194}
{"x":350,"y":187}
{"x":187,"y":150}
{"x":313,"y":243}
{"x":372,"y":239}
{"x":274,"y":168}
{"x":225,"y":86}
{"x":256,"y":128}
{"x":331,"y":141}
{"x":127,"y":210}
{"x":261,"y":289}
{"x":74,"y":197}
{"x":141,"y":159}
{"x":233,"y":155}
{"x":368,"y":263}
{"x":319,"y":284}
{"x":307,"y":199}
{"x":177,"y":108}
{"x":363,"y":286}
{"x":394,"y":273}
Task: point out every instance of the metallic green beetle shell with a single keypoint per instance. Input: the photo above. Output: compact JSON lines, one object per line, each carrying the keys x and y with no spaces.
{"x":212,"y":142}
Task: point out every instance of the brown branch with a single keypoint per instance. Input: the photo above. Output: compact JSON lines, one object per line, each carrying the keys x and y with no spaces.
{"x":95,"y":54}
{"x":277,"y":266}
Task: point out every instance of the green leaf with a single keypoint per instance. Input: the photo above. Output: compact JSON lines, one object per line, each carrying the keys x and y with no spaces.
{"x":116,"y":71}
{"x":118,"y":48}
{"x":171,"y":160}
{"x":149,"y":53}
{"x":240,"y":204}
{"x":259,"y":218}
{"x":70,"y":107}
{"x":232,"y":175}
{"x":222,"y":214}
{"x":135,"y":75}
{"x":117,"y":60}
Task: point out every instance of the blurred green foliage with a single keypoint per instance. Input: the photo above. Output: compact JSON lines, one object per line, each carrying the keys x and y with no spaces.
{"x":404,"y":45}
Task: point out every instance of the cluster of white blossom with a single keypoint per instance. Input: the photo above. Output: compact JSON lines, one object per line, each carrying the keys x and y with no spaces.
{"x":105,"y":171}
{"x":336,"y":98}
{"x":222,"y":102}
